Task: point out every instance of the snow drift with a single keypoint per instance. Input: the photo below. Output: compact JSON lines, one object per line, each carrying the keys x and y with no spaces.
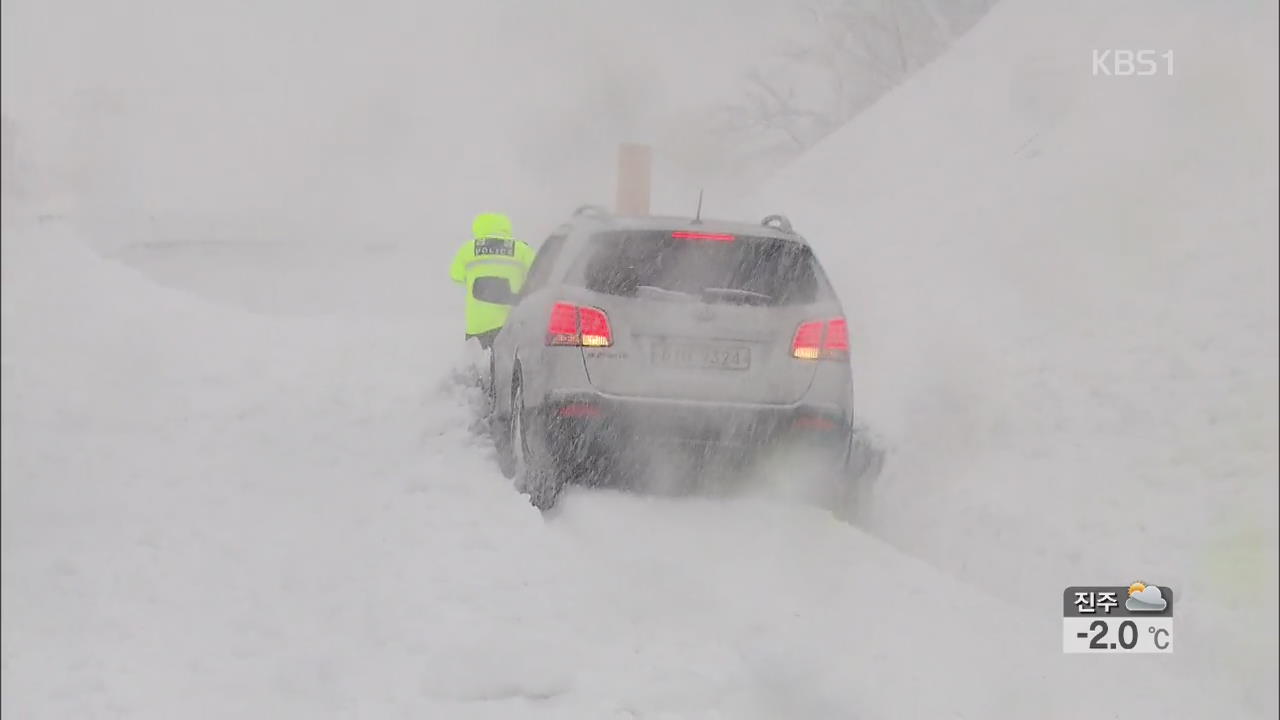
{"x":1063,"y":298}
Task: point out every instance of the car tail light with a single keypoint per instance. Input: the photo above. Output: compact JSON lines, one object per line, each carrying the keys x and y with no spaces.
{"x":576,"y":326}
{"x":562,"y":328}
{"x":807,"y":344}
{"x":595,"y":327}
{"x":836,"y":345}
{"x":821,"y":340}
{"x":692,"y":235}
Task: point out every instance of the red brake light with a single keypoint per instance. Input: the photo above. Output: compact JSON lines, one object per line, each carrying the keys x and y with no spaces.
{"x":595,"y":327}
{"x":837,"y":343}
{"x":691,"y":235}
{"x":821,"y":340}
{"x":572,"y":325}
{"x":562,"y":328}
{"x":807,"y":343}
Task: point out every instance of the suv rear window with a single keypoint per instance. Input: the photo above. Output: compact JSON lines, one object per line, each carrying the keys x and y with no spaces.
{"x":734,"y":269}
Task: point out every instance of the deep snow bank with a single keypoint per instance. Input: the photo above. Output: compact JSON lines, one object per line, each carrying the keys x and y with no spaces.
{"x":1062,"y":292}
{"x":196,"y":500}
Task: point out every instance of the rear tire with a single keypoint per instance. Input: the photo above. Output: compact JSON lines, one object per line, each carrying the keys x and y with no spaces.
{"x":491,"y":386}
{"x":526,"y":455}
{"x":862,"y":466}
{"x":500,"y":431}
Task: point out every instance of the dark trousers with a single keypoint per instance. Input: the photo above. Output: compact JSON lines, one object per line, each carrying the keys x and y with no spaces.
{"x":485,"y":338}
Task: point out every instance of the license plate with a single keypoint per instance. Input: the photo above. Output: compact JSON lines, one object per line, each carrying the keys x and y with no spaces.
{"x":701,"y":355}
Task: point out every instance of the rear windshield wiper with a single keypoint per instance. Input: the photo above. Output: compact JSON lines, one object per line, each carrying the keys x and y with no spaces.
{"x":749,"y":297}
{"x":653,"y":292}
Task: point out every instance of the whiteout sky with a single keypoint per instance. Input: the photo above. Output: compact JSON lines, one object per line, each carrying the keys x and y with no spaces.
{"x":397,"y":118}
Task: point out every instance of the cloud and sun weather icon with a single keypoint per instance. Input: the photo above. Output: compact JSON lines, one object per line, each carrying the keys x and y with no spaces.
{"x":1098,"y":619}
{"x":1145,"y":598}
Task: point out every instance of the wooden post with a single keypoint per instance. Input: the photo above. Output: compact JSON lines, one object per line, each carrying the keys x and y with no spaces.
{"x":635,"y":162}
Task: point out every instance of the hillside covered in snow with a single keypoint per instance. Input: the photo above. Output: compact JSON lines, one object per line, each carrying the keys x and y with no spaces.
{"x":1063,"y":298}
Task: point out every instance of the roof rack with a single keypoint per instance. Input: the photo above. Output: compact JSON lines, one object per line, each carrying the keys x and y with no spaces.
{"x":779,"y":222}
{"x":592,"y":210}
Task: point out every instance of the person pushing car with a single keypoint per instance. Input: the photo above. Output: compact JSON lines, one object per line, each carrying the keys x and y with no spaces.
{"x":492,"y":252}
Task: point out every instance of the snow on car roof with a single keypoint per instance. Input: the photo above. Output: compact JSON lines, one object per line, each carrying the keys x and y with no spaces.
{"x":672,"y":222}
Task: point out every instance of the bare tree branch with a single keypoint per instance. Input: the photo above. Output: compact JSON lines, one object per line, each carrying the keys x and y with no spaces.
{"x":855,"y":51}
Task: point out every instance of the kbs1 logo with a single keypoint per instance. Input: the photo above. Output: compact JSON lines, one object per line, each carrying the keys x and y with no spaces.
{"x":1132,"y":63}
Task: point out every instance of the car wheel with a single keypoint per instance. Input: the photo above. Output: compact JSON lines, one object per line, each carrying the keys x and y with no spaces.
{"x":491,"y":385}
{"x":531,"y":465}
{"x":500,"y":430}
{"x":862,"y":465}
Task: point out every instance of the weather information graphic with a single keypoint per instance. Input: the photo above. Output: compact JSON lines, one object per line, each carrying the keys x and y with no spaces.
{"x":1135,"y":618}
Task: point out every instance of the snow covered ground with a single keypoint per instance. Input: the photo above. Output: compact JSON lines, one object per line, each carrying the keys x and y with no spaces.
{"x":246,"y":483}
{"x":1065,"y":290}
{"x":212,"y":513}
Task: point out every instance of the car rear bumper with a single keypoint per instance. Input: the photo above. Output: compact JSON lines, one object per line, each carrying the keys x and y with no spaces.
{"x":584,"y":425}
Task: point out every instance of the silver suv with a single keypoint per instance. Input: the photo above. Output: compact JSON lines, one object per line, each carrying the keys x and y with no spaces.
{"x":644,"y":337}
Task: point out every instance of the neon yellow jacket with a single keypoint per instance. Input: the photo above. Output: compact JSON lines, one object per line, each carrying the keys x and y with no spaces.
{"x":492,"y":252}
